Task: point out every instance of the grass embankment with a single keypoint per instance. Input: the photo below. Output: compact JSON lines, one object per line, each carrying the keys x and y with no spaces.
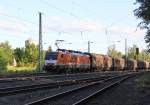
{"x":144,"y":80}
{"x":18,"y":70}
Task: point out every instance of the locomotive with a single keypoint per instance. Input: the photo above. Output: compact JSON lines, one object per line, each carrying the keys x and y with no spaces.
{"x":62,"y":61}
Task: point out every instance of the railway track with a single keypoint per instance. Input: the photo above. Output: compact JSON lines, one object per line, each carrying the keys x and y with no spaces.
{"x":81,"y":94}
{"x":20,"y":81}
{"x":11,"y":90}
{"x":11,"y":82}
{"x":17,"y":77}
{"x":22,"y":89}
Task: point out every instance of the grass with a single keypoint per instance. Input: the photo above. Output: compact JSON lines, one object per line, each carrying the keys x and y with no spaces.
{"x":18,"y":70}
{"x":144,"y":80}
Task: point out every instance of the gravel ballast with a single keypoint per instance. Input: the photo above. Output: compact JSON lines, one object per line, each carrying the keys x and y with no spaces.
{"x":127,"y":93}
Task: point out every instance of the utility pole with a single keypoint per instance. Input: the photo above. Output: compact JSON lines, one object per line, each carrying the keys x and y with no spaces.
{"x":89,"y":42}
{"x":40,"y":41}
{"x":126,"y":56}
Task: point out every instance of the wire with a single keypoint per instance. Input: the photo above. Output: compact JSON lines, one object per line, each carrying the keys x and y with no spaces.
{"x":86,"y":9}
{"x":17,"y":20}
{"x":16,"y":7}
{"x":59,"y":9}
{"x":64,"y":11}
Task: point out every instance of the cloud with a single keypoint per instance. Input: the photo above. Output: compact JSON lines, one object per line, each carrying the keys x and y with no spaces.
{"x":61,"y":24}
{"x":16,"y":26}
{"x":58,"y":24}
{"x":126,"y":30}
{"x":83,"y":26}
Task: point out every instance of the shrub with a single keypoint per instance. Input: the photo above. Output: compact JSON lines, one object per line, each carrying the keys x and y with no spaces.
{"x":3,"y":60}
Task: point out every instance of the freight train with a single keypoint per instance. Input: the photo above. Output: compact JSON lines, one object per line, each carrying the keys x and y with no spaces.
{"x":63,"y":61}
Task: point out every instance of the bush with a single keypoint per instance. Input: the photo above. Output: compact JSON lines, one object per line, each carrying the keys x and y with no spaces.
{"x":3,"y":60}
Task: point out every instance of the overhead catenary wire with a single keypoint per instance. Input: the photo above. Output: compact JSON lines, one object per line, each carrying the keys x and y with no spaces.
{"x":64,"y":11}
{"x":68,"y":13}
{"x":90,"y":11}
{"x":23,"y":21}
{"x":59,"y":9}
{"x":17,"y":19}
{"x":16,"y":7}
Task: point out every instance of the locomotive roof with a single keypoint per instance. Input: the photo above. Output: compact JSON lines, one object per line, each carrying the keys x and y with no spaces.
{"x":73,"y":51}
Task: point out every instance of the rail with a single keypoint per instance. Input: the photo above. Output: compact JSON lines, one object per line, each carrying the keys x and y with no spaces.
{"x":76,"y":93}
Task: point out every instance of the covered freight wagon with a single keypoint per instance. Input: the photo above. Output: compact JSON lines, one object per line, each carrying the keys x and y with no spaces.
{"x":119,"y":64}
{"x":131,"y":64}
{"x":99,"y":61}
{"x":107,"y":63}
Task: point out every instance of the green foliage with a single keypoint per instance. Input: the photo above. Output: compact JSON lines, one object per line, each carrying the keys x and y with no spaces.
{"x":27,"y":56}
{"x":19,"y":54}
{"x":143,"y":55}
{"x":114,"y":53}
{"x":143,"y":12}
{"x":31,"y":53}
{"x":132,"y":52}
{"x":3,"y":60}
{"x":18,"y":70}
{"x":8,"y":51}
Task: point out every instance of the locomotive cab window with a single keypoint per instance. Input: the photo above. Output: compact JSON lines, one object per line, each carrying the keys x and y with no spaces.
{"x":51,"y":55}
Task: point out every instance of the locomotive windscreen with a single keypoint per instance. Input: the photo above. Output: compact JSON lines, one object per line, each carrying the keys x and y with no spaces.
{"x":51,"y":55}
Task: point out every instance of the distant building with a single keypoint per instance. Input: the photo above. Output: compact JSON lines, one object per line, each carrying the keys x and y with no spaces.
{"x":29,"y":41}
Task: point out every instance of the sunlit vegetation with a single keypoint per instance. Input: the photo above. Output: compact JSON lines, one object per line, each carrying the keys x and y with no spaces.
{"x":114,"y":53}
{"x":143,"y":55}
{"x":18,"y":70}
{"x":18,"y":60}
{"x":3,"y":60}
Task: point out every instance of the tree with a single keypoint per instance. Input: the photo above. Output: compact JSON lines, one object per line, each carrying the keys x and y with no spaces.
{"x":113,"y":53}
{"x":3,"y":60}
{"x":31,"y":54}
{"x":143,"y":55}
{"x":143,"y":12}
{"x":19,"y":54}
{"x":8,"y":51}
{"x":132,"y":52}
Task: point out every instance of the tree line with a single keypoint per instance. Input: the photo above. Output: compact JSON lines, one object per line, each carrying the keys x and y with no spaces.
{"x":21,"y":56}
{"x":132,"y":54}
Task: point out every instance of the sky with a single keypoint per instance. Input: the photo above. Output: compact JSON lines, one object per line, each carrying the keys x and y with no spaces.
{"x":104,"y":22}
